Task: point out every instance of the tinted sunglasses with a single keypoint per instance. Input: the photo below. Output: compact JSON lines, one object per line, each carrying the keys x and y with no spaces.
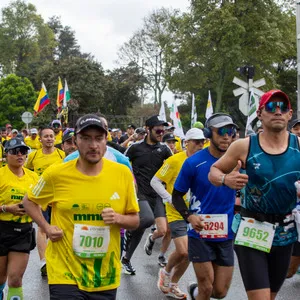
{"x":159,"y":131}
{"x":272,"y":106}
{"x":16,"y":151}
{"x":55,"y":125}
{"x":226,"y":130}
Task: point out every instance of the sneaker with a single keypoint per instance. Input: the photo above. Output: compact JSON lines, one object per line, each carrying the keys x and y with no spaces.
{"x":191,"y":288}
{"x":175,"y":292}
{"x":163,"y":282}
{"x":44,"y":270}
{"x":128,"y":268}
{"x":149,"y":245}
{"x":153,"y":228}
{"x":127,"y":239}
{"x":162,"y":261}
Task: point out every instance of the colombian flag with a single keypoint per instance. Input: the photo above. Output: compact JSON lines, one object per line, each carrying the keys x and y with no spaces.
{"x":60,"y":94}
{"x":42,"y":100}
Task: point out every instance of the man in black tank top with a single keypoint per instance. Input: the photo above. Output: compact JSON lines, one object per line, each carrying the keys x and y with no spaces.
{"x":265,"y":232}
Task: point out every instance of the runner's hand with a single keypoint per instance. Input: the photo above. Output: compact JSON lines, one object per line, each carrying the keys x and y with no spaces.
{"x":110,"y":216}
{"x":197,"y":222}
{"x":235,"y":180}
{"x":54,"y":233}
{"x":16,"y":210}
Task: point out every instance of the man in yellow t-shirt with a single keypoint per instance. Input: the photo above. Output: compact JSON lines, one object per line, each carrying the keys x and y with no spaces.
{"x":56,"y":125}
{"x":39,"y":161}
{"x":178,"y":260}
{"x":17,"y":237}
{"x":33,"y":140}
{"x":92,"y":198}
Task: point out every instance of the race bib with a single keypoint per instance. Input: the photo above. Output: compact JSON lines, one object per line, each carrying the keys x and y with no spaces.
{"x":90,"y":241}
{"x":216,"y":226}
{"x":255,"y":234}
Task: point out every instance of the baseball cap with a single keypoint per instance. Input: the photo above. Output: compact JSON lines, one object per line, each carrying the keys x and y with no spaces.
{"x":266,"y":97}
{"x":89,"y":120}
{"x":140,"y":130}
{"x":170,"y":126}
{"x":14,"y":131}
{"x":131,"y":126}
{"x":294,"y":123}
{"x":219,"y":120}
{"x":198,"y":124}
{"x":114,"y":129}
{"x":154,"y":121}
{"x":8,"y":125}
{"x":15,"y":143}
{"x":33,"y":131}
{"x":194,"y":134}
{"x":56,"y":122}
{"x":67,"y":135}
{"x":169,"y":137}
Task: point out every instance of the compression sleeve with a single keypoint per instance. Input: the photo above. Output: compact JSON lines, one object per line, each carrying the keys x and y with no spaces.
{"x":179,"y":204}
{"x":159,"y":188}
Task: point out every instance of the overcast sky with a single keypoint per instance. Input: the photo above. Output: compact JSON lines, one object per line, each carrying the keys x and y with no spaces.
{"x":102,"y":26}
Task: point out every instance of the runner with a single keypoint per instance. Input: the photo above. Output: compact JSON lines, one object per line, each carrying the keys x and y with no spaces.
{"x":17,"y":236}
{"x":39,"y":161}
{"x":210,"y":214}
{"x":167,"y":174}
{"x":266,"y":233}
{"x":92,"y":198}
{"x":147,"y":157}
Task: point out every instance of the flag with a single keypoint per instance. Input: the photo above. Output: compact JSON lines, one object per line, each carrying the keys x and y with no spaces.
{"x":252,"y":108}
{"x":60,"y":94}
{"x":209,"y":107}
{"x":175,"y":117}
{"x":42,"y":100}
{"x":67,"y":95}
{"x":194,"y":112}
{"x":162,"y":112}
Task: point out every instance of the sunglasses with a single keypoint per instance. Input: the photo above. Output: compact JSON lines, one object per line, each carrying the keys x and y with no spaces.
{"x":159,"y":131}
{"x":272,"y":106}
{"x":55,"y":125}
{"x":16,"y":151}
{"x":226,"y":130}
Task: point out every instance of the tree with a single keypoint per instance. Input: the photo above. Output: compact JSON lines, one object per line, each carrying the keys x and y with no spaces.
{"x":146,"y":49}
{"x":216,"y":37}
{"x":17,"y":95}
{"x":25,"y":40}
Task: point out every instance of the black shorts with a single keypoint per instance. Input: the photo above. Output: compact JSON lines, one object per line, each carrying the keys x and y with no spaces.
{"x":220,"y":253}
{"x":69,"y":291}
{"x":261,"y":270}
{"x":178,"y":229}
{"x":296,"y":249}
{"x":16,"y":237}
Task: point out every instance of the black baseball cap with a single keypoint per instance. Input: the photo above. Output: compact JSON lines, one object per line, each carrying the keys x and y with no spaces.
{"x":15,"y":143}
{"x":89,"y":120}
{"x":294,"y":123}
{"x":169,"y":137}
{"x":140,"y":130}
{"x":131,"y":126}
{"x":154,"y":121}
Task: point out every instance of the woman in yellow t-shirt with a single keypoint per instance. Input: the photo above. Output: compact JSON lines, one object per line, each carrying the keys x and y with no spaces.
{"x":17,"y":236}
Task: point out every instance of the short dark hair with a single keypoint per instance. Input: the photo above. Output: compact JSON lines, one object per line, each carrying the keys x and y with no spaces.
{"x":41,"y":129}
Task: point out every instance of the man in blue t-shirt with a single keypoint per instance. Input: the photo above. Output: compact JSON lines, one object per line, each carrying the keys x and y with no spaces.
{"x":210,"y":213}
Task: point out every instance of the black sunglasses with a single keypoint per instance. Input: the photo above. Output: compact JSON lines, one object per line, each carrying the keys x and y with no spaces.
{"x":18,"y":150}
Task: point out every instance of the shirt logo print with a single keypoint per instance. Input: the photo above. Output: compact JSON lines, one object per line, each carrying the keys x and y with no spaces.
{"x":256,"y":166}
{"x":115,"y":196}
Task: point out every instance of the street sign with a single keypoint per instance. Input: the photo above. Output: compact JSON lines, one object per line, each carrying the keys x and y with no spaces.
{"x":27,"y":117}
{"x":244,"y":91}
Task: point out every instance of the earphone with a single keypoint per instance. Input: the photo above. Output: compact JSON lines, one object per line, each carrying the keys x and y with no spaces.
{"x":207,"y":130}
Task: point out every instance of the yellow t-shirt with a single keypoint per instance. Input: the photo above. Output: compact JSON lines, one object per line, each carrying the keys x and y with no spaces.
{"x":58,"y":138}
{"x":12,"y":191}
{"x":206,"y":143}
{"x":39,"y":162}
{"x":33,"y":144}
{"x":168,"y":174}
{"x":178,"y":144}
{"x":79,"y":199}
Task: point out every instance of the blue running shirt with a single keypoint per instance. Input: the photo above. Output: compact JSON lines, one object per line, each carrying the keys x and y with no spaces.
{"x":271,"y":189}
{"x":205,"y":197}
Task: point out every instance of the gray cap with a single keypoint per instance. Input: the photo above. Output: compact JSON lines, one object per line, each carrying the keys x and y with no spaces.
{"x":219,"y":120}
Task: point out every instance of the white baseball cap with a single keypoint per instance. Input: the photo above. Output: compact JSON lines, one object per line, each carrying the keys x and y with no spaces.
{"x":33,"y":131}
{"x":194,"y":134}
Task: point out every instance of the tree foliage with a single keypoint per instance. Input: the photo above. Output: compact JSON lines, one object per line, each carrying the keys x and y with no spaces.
{"x":17,"y":95}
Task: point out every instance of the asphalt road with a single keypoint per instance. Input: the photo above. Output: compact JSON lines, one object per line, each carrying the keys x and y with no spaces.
{"x":143,"y":284}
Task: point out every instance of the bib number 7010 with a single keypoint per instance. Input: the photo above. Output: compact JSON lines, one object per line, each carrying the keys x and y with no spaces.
{"x":88,"y":241}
